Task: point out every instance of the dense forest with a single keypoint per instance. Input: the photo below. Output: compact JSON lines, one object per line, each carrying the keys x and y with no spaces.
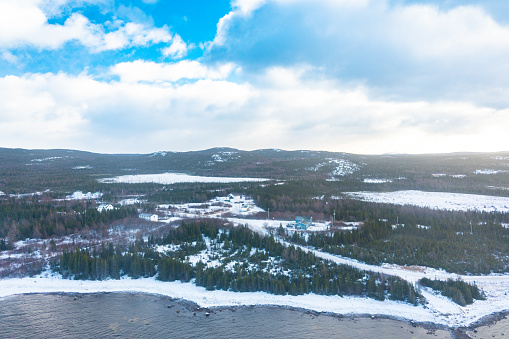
{"x":455,"y":246}
{"x":459,"y":291}
{"x":461,"y":242}
{"x":31,"y":217}
{"x":248,"y":262}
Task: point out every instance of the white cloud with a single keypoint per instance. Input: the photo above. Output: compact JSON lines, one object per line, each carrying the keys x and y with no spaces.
{"x":240,"y":9}
{"x":246,"y":7}
{"x":54,"y":8}
{"x":25,"y":23}
{"x":149,"y":71}
{"x":431,"y":33}
{"x":9,"y":57}
{"x":177,"y":49}
{"x":287,"y":109}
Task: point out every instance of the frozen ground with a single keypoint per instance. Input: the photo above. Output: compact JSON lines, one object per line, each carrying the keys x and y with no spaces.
{"x":173,"y":178}
{"x":437,"y":200}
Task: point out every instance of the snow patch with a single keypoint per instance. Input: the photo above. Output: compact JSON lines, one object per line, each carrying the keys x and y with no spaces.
{"x":46,"y":159}
{"x":489,"y":171}
{"x":159,"y":153}
{"x":79,"y":195}
{"x":173,"y":178}
{"x":376,"y":181}
{"x":129,"y":201}
{"x":342,"y":167}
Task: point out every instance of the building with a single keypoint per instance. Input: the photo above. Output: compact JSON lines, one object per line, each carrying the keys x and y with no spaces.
{"x":105,"y":207}
{"x":303,"y":223}
{"x":149,"y":216}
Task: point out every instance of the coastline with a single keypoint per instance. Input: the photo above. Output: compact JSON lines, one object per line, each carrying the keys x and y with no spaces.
{"x":354,"y":319}
{"x":336,"y":306}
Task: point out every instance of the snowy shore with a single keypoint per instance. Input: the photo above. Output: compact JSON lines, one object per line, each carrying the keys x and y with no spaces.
{"x":47,"y":283}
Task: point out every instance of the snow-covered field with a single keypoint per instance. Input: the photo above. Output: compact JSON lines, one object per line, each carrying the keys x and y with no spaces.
{"x":173,"y":178}
{"x":437,"y":200}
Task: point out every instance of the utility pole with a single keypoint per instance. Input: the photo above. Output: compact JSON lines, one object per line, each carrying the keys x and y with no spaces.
{"x":334,"y":217}
{"x":268,"y":213}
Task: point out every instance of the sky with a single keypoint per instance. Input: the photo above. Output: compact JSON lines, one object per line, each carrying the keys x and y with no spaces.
{"x":357,"y":76}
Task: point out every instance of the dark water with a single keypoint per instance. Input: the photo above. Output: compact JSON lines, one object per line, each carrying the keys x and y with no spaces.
{"x":148,"y":316}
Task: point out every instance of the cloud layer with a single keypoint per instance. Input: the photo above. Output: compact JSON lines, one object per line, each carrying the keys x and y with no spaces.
{"x":288,"y":108}
{"x":406,"y":51}
{"x":360,"y":76}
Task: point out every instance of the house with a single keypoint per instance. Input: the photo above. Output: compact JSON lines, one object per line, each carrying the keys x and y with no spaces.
{"x":105,"y":207}
{"x":303,"y":223}
{"x":149,"y":216}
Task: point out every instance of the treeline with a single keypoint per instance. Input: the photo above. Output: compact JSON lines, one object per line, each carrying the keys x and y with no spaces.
{"x":456,"y":247}
{"x":296,"y":272}
{"x":107,"y":262}
{"x":31,"y":218}
{"x":459,"y":291}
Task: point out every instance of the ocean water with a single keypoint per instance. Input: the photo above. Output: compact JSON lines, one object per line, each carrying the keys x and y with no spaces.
{"x":110,"y":315}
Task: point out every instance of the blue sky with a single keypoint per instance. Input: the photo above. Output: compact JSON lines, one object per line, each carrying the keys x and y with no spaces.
{"x":361,"y":76}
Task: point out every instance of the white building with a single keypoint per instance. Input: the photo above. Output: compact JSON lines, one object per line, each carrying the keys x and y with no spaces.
{"x":105,"y":207}
{"x":149,"y":216}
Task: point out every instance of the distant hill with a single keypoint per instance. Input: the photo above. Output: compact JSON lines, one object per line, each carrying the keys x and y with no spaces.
{"x":24,"y":170}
